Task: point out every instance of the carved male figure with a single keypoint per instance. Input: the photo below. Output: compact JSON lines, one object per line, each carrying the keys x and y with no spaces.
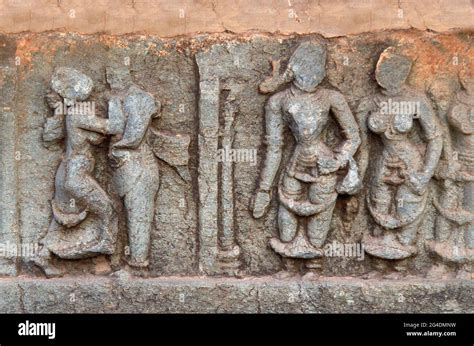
{"x":309,"y":185}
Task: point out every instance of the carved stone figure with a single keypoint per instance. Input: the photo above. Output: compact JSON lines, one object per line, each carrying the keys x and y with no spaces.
{"x":310,"y":184}
{"x":398,"y":185}
{"x":84,"y":220}
{"x":454,"y":232}
{"x":134,"y":166}
{"x":133,"y":147}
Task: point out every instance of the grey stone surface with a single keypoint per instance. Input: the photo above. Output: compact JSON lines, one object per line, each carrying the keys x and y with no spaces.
{"x":253,"y":295}
{"x":9,"y":228}
{"x":204,"y":190}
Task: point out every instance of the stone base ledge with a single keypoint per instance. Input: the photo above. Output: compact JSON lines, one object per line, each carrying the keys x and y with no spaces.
{"x":250,"y":295}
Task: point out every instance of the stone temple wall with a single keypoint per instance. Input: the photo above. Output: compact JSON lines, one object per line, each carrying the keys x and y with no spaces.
{"x":223,"y":156}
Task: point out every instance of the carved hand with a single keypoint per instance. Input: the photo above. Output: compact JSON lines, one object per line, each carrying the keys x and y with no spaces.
{"x":418,"y":181}
{"x":448,"y":169}
{"x":53,"y":100}
{"x":260,"y":203}
{"x":327,"y":166}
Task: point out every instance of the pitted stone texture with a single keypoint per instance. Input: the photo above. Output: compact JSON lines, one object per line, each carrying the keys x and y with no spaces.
{"x":12,"y":296}
{"x":9,"y":230}
{"x":263,"y":295}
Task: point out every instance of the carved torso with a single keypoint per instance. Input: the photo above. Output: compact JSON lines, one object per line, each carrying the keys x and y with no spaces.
{"x":306,"y":114}
{"x":394,"y":129}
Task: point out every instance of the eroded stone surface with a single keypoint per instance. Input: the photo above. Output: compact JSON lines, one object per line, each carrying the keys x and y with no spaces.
{"x":194,"y":118}
{"x":207,"y":295}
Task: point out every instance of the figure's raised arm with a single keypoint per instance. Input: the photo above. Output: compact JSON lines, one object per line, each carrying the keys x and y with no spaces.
{"x":115,"y":124}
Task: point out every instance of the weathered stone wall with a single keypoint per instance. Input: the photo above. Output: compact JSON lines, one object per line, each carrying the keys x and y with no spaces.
{"x":204,"y":62}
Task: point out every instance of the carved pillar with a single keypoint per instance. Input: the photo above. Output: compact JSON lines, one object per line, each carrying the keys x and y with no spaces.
{"x":9,"y":235}
{"x":208,"y":174}
{"x":219,"y":253}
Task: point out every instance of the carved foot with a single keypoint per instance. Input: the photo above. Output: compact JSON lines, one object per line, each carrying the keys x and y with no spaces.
{"x":122,"y":274}
{"x":137,"y":264}
{"x":104,"y":247}
{"x":297,"y":248}
{"x":314,"y":269}
{"x":311,"y":275}
{"x":285,"y":274}
{"x":372,"y":275}
{"x":129,"y":272}
{"x":387,"y":247}
{"x":43,"y":262}
{"x":464,"y":275}
{"x":450,"y":252}
{"x":140,"y":272}
{"x":439,"y":271}
{"x":138,"y":268}
{"x":229,"y":255}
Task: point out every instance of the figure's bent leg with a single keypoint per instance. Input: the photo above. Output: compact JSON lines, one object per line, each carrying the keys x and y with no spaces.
{"x":86,"y":190}
{"x":44,"y":260}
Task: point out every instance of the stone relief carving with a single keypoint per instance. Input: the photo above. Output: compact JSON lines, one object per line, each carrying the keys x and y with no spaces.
{"x":398,"y":186}
{"x":220,"y":98}
{"x":84,"y":220}
{"x":454,"y":229}
{"x":414,"y":165}
{"x":309,"y":186}
{"x":134,"y":146}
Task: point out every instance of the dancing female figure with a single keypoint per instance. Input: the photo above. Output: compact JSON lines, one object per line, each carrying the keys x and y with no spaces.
{"x":309,"y":186}
{"x":398,"y":187}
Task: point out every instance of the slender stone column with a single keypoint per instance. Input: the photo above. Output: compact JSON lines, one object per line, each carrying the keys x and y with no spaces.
{"x":208,"y":174}
{"x":9,"y":231}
